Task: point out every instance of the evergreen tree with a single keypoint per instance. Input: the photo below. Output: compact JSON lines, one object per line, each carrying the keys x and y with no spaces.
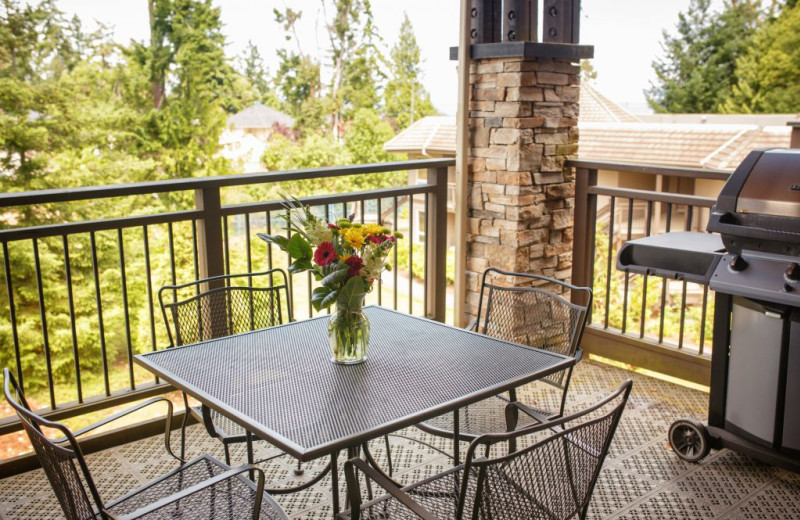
{"x":769,"y":72}
{"x":699,"y":68}
{"x":252,"y":67}
{"x":405,"y":97}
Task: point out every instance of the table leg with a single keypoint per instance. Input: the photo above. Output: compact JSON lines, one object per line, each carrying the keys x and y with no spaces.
{"x":335,"y":481}
{"x":250,"y":457}
{"x":456,"y":438}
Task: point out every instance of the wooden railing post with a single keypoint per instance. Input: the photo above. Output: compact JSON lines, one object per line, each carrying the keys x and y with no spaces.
{"x":583,"y":238}
{"x":436,"y":249}
{"x":210,"y":248}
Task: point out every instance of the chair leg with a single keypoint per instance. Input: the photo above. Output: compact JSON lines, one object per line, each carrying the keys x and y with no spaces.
{"x":227,"y":453}
{"x":299,"y":469}
{"x":184,"y":423}
{"x":388,"y":455}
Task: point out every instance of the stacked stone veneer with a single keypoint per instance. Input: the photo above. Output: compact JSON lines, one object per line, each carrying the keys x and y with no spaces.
{"x":523,"y":127}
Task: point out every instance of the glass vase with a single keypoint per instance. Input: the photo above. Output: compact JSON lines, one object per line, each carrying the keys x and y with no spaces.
{"x":348,"y":333}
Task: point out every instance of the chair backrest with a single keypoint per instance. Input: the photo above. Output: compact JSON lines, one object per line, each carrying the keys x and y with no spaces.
{"x":58,"y":459}
{"x":539,"y":313}
{"x":225,"y":305}
{"x":552,"y":477}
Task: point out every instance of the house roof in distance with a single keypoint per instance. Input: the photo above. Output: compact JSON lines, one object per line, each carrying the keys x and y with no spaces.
{"x":609,"y":133}
{"x":258,"y":115}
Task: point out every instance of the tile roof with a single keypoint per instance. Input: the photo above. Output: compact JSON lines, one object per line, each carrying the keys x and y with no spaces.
{"x":609,"y":133}
{"x":259,"y":116}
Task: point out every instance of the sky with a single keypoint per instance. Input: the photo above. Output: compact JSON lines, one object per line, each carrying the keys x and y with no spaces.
{"x":626,"y":35}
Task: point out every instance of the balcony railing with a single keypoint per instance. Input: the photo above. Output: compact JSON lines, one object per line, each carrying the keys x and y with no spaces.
{"x":649,"y":322}
{"x":79,"y":296}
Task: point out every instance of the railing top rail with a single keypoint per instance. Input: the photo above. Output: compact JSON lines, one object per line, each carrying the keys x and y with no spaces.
{"x":143,"y":188}
{"x":651,"y":169}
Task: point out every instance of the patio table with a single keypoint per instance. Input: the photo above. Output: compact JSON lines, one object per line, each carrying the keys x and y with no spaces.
{"x":280,"y":384}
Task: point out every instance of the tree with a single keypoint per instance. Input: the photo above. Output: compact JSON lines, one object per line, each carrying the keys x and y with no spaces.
{"x":699,"y":68}
{"x":406,"y":98}
{"x":252,"y":67}
{"x":769,"y":72}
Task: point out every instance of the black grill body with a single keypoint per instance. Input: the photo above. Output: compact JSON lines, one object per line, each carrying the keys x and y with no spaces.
{"x":755,"y":364}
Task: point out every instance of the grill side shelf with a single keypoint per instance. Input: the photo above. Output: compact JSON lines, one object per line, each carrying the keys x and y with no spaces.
{"x":680,"y":255}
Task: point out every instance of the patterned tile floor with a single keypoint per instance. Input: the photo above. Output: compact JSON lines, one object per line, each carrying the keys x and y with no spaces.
{"x":641,"y":478}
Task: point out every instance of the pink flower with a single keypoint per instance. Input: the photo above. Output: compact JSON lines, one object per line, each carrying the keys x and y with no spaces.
{"x":375,"y":239}
{"x":325,"y":254}
{"x":333,"y":226}
{"x":355,"y":263}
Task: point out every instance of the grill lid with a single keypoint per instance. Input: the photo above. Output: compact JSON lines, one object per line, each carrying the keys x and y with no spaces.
{"x":759,"y":206}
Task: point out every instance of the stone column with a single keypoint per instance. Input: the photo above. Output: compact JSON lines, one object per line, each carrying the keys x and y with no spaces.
{"x":523,"y":127}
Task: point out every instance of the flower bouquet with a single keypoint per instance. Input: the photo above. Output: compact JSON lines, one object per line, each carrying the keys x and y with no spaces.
{"x":347,"y":258}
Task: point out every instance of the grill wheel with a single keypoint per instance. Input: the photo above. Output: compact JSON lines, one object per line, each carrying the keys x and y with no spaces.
{"x":688,"y":438}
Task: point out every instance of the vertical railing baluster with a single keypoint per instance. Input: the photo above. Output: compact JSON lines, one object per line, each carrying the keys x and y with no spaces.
{"x":172,"y":271}
{"x":99,"y":303}
{"x":149,"y":277}
{"x":380,"y":222}
{"x":226,"y":244}
{"x":248,"y":244}
{"x":703,"y":312}
{"x":126,"y":311}
{"x":43,"y":317}
{"x":71,"y":305}
{"x":584,"y":233}
{"x":609,"y":260}
{"x":396,"y":267}
{"x":426,"y":248}
{"x":12,"y":311}
{"x":627,"y":274}
{"x":664,"y":283}
{"x":195,"y":251}
{"x":411,"y":254}
{"x":643,"y":313}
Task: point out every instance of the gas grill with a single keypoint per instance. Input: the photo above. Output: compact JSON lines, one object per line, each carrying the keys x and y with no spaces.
{"x":753,"y":265}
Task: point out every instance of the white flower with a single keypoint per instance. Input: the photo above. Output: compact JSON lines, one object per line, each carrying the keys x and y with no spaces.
{"x":318,"y":232}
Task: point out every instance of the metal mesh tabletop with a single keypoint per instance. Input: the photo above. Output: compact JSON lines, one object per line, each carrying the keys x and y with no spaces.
{"x":281,"y":385}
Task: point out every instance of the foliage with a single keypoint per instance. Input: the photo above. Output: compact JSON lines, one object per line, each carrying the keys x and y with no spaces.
{"x":346,"y":257}
{"x":699,"y":68}
{"x":252,"y":67}
{"x":769,"y":72}
{"x":643,"y":299}
{"x":405,"y":97}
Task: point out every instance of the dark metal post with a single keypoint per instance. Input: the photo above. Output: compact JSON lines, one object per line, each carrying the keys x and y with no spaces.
{"x":583,"y":235}
{"x":210,"y":246}
{"x":561,"y":21}
{"x":436,"y":247}
{"x":517,"y":21}
{"x":485,"y":22}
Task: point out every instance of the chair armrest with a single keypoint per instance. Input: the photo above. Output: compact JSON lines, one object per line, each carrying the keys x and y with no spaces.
{"x":354,"y":492}
{"x":213,"y":481}
{"x":527,"y":410}
{"x":578,"y":355}
{"x":471,"y":325}
{"x":129,"y":411}
{"x":123,"y":413}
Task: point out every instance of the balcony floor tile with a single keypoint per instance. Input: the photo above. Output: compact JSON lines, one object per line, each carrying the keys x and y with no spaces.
{"x":641,"y":478}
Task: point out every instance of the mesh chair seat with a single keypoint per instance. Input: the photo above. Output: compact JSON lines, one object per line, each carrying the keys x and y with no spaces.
{"x":476,"y":419}
{"x":230,"y":499}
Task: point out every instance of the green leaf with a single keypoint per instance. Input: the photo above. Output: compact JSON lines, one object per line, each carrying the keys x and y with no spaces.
{"x":298,"y":247}
{"x":298,"y":266}
{"x":352,"y":290}
{"x":279,"y":240}
{"x":339,"y":275}
{"x":329,"y":299}
{"x":319,"y":294}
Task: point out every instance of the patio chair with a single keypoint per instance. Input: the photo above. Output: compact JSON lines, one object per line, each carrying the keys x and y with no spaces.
{"x":217,"y":307}
{"x":551,"y":478}
{"x":201,"y":488}
{"x":529,"y":315}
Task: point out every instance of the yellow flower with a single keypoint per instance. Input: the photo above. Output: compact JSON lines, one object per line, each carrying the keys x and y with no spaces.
{"x":372,"y":229}
{"x":354,"y":237}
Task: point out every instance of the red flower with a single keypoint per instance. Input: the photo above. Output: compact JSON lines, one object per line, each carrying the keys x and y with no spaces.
{"x":375,"y":239}
{"x":333,"y":226}
{"x":355,"y":263}
{"x":325,"y":254}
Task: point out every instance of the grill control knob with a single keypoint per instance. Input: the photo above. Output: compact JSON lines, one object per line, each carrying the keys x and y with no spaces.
{"x":737,"y":264}
{"x":793,"y":272}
